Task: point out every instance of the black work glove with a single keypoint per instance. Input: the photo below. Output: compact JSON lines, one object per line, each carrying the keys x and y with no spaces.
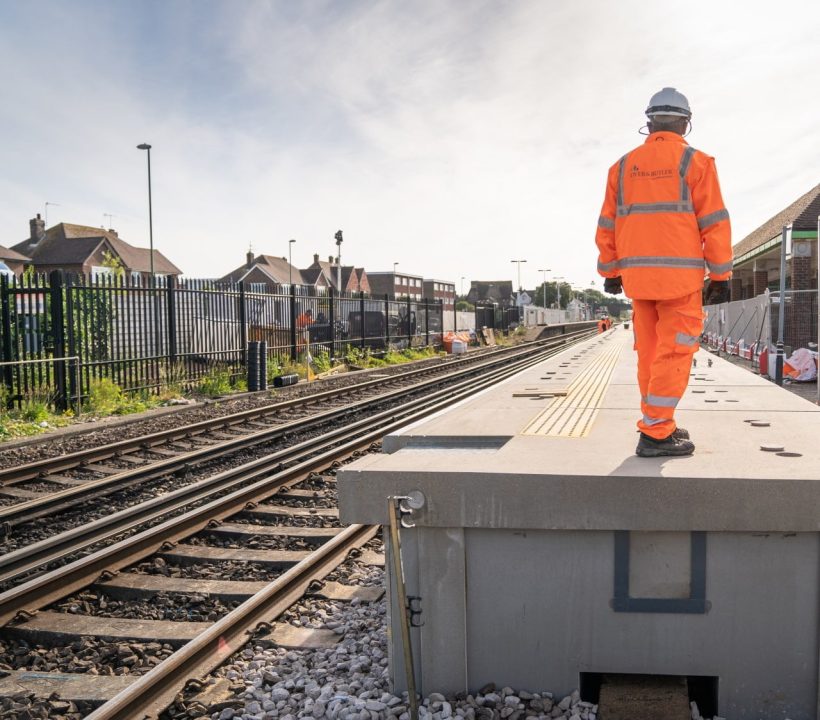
{"x":716,"y":292}
{"x":613,"y":286}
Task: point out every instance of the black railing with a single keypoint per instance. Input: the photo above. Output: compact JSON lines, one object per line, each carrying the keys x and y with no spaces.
{"x":146,"y":336}
{"x":497,"y":317}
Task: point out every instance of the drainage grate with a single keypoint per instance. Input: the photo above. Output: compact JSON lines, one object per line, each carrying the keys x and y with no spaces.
{"x":573,"y":415}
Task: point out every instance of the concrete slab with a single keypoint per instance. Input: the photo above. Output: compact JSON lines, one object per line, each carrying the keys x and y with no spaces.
{"x":729,"y":484}
{"x":543,"y":548}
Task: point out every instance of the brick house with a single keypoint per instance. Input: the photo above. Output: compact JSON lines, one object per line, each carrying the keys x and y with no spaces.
{"x":14,"y":260}
{"x":443,"y":290}
{"x":269,"y":270}
{"x":396,"y":285}
{"x":353,"y":279}
{"x":82,"y":250}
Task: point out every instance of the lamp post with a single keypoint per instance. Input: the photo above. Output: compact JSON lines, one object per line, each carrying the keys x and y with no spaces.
{"x":462,"y":287}
{"x":146,"y":146}
{"x":290,"y":262}
{"x":544,"y":285}
{"x":519,"y":271}
{"x":785,"y":249}
{"x":338,"y":237}
{"x":588,"y":303}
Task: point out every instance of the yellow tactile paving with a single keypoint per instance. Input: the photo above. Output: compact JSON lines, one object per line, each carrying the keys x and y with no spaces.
{"x":574,"y":414}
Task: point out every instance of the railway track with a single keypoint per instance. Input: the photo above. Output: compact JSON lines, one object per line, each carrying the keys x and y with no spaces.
{"x":268,"y":507}
{"x":53,"y":484}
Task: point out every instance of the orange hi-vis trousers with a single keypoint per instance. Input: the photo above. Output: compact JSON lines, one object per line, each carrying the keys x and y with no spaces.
{"x":667,"y":334}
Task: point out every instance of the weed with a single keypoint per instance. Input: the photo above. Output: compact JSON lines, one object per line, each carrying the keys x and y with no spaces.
{"x":36,"y":404}
{"x":322,"y":362}
{"x":217,"y":382}
{"x":172,"y":381}
{"x":105,"y":397}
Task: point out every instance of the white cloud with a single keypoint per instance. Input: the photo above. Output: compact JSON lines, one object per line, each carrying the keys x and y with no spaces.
{"x":450,"y":137}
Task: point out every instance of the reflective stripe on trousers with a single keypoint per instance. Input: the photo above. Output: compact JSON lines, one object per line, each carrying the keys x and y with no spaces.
{"x":666,"y":337}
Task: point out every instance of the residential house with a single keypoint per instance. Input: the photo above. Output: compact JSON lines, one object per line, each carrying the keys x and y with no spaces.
{"x":491,"y":291}
{"x":13,"y":260}
{"x":353,"y":279}
{"x":269,"y":270}
{"x":84,"y":250}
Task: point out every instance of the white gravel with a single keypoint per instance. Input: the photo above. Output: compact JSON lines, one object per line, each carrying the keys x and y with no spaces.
{"x":350,"y":681}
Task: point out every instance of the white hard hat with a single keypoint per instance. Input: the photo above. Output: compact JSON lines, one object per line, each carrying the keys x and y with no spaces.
{"x":669,"y":102}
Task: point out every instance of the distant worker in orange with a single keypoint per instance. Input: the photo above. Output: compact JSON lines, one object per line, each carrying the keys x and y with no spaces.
{"x":304,"y":320}
{"x":663,"y":225}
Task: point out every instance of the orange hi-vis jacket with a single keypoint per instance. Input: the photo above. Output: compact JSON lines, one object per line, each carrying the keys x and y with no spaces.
{"x":663,"y":223}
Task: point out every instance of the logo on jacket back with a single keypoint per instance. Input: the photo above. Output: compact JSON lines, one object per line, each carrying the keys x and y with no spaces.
{"x":636,"y":172}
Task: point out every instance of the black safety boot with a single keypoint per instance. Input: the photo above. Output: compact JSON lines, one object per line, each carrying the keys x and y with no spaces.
{"x":680,"y":434}
{"x":668,"y":447}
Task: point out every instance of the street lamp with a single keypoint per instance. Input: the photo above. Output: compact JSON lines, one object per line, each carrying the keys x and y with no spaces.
{"x":544,"y":285}
{"x":462,"y":286}
{"x":290,"y":262}
{"x":146,"y":146}
{"x":338,"y":237}
{"x":591,"y":287}
{"x":519,"y":271}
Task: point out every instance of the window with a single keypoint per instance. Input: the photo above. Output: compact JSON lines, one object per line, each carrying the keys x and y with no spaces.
{"x":100,"y":271}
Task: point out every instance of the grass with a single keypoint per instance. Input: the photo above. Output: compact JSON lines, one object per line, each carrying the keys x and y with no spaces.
{"x":34,"y":415}
{"x":356,"y":357}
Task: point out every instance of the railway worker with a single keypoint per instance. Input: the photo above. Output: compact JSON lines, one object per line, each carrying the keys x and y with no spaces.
{"x":303,"y":322}
{"x":663,"y":224}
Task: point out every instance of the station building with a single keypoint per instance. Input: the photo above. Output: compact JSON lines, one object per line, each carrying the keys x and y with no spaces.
{"x":757,"y":264}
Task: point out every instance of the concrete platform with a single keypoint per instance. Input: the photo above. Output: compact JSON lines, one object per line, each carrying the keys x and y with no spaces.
{"x":546,"y":549}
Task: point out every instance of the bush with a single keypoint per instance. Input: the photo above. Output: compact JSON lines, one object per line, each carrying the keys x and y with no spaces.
{"x":322,"y":362}
{"x":105,"y":397}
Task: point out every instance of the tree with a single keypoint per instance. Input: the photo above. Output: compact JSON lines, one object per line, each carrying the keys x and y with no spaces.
{"x":114,"y":264}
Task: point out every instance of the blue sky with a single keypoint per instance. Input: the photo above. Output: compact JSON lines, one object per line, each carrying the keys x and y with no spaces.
{"x":450,"y":137}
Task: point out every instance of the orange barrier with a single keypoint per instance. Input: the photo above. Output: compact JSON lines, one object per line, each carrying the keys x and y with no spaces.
{"x":448,"y":337}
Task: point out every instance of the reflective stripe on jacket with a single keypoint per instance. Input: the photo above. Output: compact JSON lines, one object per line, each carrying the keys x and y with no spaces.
{"x":663,"y":224}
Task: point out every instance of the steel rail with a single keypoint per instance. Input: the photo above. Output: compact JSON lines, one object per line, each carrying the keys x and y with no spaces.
{"x":153,"y":692}
{"x":55,"y":584}
{"x":28,"y":510}
{"x":23,"y":560}
{"x":38,"y":468}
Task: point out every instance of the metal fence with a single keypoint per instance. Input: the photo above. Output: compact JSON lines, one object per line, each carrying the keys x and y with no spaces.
{"x":742,"y":324}
{"x":146,"y":336}
{"x":497,"y":317}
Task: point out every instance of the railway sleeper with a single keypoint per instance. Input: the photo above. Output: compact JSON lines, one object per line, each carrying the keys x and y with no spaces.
{"x":192,"y":554}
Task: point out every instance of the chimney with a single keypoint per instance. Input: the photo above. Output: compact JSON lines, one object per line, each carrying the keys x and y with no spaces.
{"x":315,"y":258}
{"x":249,"y":258}
{"x":330,"y":259}
{"x":37,"y":228}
